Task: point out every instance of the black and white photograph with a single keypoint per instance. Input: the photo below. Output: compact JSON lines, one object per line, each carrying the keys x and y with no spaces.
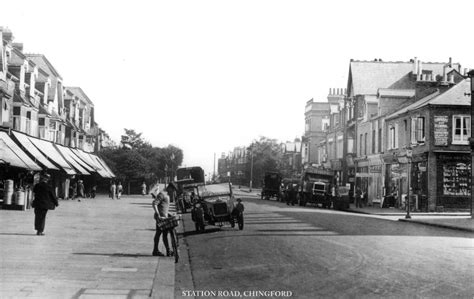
{"x":236,"y":149}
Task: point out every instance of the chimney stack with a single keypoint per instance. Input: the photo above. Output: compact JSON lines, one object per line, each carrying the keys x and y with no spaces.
{"x":419,"y":70}
{"x":415,"y":66}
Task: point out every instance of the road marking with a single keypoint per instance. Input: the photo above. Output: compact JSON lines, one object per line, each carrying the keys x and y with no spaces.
{"x":124,"y":269}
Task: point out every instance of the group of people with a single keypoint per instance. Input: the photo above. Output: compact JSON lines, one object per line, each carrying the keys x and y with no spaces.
{"x":361,"y":198}
{"x":77,"y":190}
{"x":115,"y":190}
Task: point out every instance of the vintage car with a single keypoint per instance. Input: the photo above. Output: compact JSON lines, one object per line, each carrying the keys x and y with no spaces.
{"x":216,"y":206}
{"x":271,"y":185}
{"x":188,"y":181}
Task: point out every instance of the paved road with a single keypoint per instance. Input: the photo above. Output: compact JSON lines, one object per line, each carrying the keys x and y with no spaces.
{"x":324,"y":253}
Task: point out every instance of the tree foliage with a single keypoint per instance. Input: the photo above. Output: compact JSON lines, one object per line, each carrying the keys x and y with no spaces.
{"x":141,"y":161}
{"x":266,"y":155}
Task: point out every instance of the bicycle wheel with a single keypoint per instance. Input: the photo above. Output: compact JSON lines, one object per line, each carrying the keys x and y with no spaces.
{"x":174,"y":243}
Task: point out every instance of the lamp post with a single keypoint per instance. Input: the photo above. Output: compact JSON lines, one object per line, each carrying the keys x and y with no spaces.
{"x":251,"y":168}
{"x":470,"y":74}
{"x":409,"y":156}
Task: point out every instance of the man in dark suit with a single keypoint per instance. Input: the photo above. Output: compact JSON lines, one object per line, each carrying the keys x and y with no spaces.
{"x":45,"y":200}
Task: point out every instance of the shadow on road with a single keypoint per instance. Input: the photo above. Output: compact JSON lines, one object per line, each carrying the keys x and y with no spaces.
{"x":17,"y":234}
{"x":113,"y":254}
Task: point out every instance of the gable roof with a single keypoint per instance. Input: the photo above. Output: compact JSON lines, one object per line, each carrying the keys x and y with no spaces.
{"x":77,"y":91}
{"x":44,"y":64}
{"x":456,"y":95}
{"x":367,"y":77}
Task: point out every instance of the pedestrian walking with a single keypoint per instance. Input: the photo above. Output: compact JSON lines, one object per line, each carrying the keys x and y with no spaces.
{"x":160,"y":205}
{"x":358,"y":198}
{"x":144,"y":188}
{"x":74,"y":190}
{"x":44,"y":200}
{"x":93,"y":191}
{"x":119,"y":190}
{"x":113,"y":190}
{"x":80,"y":189}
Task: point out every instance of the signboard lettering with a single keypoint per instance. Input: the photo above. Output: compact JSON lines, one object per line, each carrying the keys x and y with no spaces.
{"x":441,"y":130}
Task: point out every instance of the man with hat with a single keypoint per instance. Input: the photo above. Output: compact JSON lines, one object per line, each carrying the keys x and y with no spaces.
{"x":45,"y":200}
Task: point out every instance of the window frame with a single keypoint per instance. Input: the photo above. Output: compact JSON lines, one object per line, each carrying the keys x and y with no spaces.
{"x":464,"y":139}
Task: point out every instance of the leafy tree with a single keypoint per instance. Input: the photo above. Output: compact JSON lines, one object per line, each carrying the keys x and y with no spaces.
{"x":141,"y":161}
{"x":267,"y":155}
{"x":134,"y":140}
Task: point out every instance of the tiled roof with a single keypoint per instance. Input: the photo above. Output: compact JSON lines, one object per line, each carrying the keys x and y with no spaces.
{"x":47,"y":67}
{"x":368,"y":76}
{"x":396,"y":93}
{"x":456,"y":95}
{"x":77,"y":91}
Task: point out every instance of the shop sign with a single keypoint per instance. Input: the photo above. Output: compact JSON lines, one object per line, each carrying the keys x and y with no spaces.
{"x":441,"y":130}
{"x":402,"y":160}
{"x":375,"y":168}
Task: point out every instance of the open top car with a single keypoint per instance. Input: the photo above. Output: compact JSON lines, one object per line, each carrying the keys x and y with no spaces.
{"x":215,"y":207}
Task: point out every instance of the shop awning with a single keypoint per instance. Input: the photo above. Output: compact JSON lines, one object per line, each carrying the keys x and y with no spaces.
{"x":31,"y":148}
{"x":78,"y":159}
{"x":86,"y":158}
{"x":48,"y":149}
{"x":69,"y":156}
{"x":105,"y":168}
{"x":12,"y":154}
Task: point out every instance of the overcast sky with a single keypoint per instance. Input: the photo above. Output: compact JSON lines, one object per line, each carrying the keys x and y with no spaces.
{"x":208,"y":76}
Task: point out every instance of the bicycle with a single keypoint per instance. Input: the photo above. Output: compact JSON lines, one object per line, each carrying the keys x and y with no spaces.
{"x":169,"y":225}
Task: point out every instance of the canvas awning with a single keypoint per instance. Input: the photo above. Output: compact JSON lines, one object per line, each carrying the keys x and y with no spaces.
{"x":48,"y":149}
{"x":31,"y":148}
{"x":12,"y":154}
{"x":70,"y":157}
{"x":86,"y":158}
{"x":103,"y":165}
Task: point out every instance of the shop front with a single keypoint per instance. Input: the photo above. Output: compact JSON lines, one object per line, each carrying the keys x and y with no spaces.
{"x":375,"y":188}
{"x":16,"y":174}
{"x":453,"y":180}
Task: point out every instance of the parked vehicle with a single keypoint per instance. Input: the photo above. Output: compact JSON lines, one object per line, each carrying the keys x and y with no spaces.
{"x":188,"y":181}
{"x":214,"y":206}
{"x":316,"y":185}
{"x":271,"y":185}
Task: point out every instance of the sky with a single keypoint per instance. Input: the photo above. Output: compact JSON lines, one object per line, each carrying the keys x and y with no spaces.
{"x":208,"y":76}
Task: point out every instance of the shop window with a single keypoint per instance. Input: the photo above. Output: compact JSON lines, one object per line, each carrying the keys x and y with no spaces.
{"x":457,"y":179}
{"x":461,"y":129}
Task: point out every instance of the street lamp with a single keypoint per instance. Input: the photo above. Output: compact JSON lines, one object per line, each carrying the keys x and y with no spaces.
{"x":251,"y":167}
{"x":409,"y":156}
{"x":470,"y":74}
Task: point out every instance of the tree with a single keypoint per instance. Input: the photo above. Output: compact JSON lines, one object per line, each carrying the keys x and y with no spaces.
{"x":134,"y":140}
{"x":266,"y":154}
{"x":140,"y":161}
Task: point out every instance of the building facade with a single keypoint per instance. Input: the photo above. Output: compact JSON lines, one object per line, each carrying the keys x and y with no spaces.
{"x":43,"y":125}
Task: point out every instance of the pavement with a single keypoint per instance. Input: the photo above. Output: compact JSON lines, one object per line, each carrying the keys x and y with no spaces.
{"x":96,"y":248}
{"x":451,"y":220}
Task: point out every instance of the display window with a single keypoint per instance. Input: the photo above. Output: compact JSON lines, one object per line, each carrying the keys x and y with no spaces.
{"x":457,"y":178}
